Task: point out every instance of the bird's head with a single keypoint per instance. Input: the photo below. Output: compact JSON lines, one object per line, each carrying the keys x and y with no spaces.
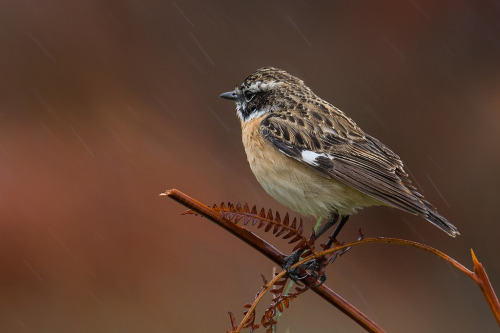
{"x":262,"y":91}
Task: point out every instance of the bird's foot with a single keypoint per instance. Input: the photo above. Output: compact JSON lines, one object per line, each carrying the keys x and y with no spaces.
{"x":291,"y":260}
{"x":314,"y":268}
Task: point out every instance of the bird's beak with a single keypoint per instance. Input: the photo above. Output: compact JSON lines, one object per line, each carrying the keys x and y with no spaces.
{"x":229,"y":95}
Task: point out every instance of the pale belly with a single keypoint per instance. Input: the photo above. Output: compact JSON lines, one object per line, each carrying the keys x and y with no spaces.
{"x":299,"y":187}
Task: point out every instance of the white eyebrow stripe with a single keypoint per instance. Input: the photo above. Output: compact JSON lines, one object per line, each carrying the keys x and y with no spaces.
{"x":262,"y":86}
{"x":270,"y":85}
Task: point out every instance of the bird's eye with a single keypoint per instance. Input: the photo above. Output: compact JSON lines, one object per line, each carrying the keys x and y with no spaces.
{"x":249,"y":96}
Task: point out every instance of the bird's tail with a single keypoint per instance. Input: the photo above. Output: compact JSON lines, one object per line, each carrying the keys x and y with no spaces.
{"x":440,"y":222}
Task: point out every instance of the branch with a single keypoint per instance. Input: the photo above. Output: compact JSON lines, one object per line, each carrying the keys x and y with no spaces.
{"x":479,"y":275}
{"x":275,"y":255}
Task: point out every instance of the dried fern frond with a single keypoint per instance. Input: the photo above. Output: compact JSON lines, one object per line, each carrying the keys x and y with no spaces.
{"x":284,"y":229}
{"x":279,"y":302}
{"x":250,"y":322}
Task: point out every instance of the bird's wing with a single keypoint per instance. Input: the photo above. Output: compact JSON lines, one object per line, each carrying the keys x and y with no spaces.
{"x":344,"y":152}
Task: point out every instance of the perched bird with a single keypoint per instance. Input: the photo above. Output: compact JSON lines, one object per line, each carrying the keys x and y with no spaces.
{"x":312,"y":158}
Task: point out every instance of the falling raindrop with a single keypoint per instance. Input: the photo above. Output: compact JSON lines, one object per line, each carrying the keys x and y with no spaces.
{"x":437,"y":190}
{"x":202,"y":49}
{"x":41,"y":47}
{"x":81,"y":141}
{"x":183,"y":15}
{"x":219,"y":119}
{"x":298,"y":30}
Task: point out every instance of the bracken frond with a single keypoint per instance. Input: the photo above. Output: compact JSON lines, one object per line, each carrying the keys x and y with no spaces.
{"x":250,"y":322}
{"x":286,"y":228}
{"x":279,"y":303}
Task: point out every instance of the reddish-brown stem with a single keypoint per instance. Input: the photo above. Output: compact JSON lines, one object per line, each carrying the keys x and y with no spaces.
{"x":248,"y":237}
{"x":478,"y":275}
{"x":275,"y":255}
{"x":398,"y":241}
{"x":482,"y":280}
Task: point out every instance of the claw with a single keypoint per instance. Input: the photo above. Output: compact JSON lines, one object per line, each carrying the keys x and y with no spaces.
{"x":289,"y":262}
{"x":314,"y":268}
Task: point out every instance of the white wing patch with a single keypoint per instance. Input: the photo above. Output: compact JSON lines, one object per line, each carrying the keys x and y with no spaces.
{"x":310,"y":157}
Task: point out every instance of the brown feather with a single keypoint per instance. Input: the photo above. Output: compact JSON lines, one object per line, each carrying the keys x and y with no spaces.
{"x":317,"y":135}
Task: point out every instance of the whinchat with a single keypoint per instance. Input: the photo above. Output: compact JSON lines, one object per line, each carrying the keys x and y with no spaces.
{"x":312,"y":158}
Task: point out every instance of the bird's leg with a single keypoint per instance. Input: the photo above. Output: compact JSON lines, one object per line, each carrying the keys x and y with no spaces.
{"x":330,"y":223}
{"x":337,"y":230}
{"x":295,"y":256}
{"x":317,"y":266}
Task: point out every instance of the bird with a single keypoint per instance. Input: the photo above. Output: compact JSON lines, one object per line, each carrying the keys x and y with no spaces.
{"x":312,"y":158}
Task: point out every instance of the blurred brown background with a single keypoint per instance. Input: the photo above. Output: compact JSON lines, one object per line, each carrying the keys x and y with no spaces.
{"x":105,"y":104}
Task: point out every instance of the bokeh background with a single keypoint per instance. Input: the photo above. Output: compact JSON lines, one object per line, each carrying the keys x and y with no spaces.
{"x":106,"y":104}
